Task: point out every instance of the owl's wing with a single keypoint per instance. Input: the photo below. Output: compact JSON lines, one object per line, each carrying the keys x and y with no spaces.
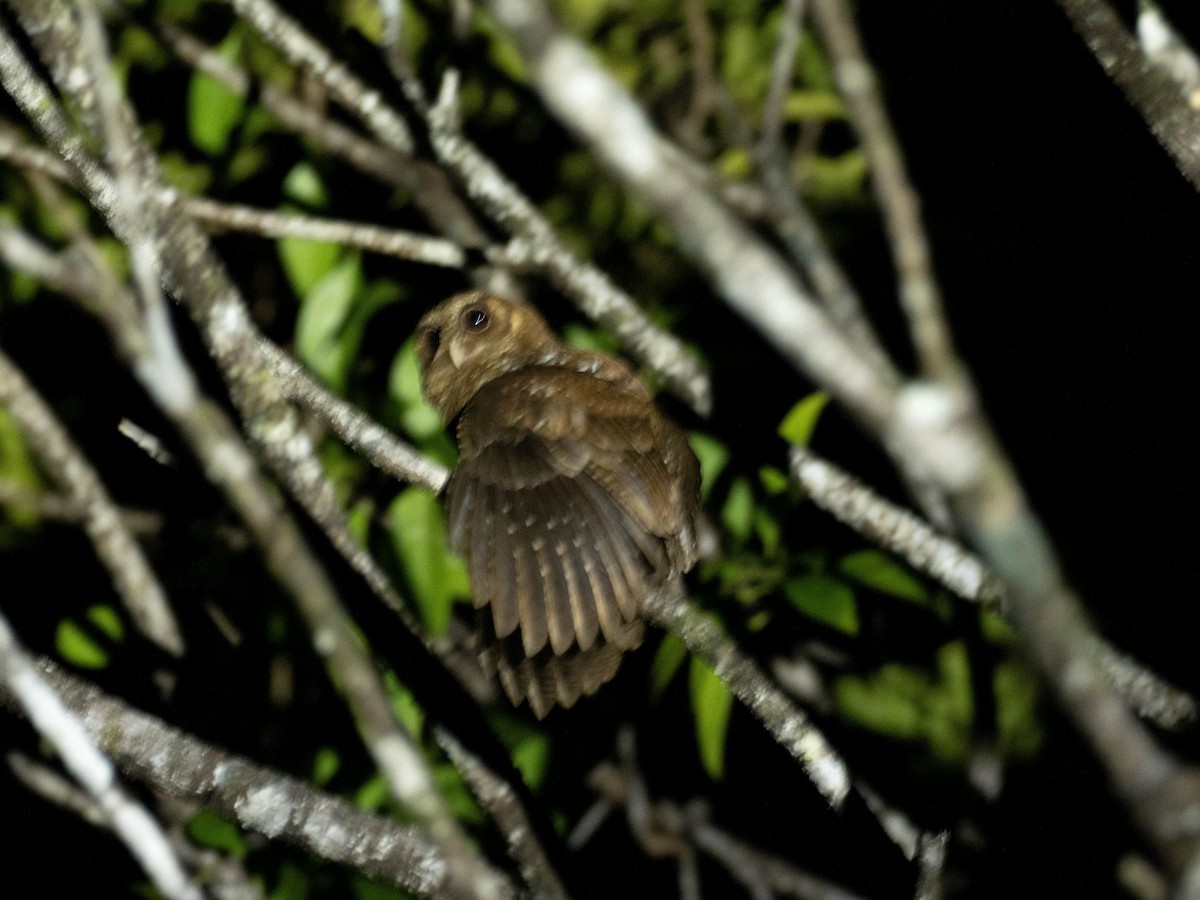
{"x":572,"y":498}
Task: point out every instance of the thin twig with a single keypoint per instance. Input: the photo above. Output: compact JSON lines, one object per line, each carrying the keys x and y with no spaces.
{"x":586,"y":285}
{"x":116,"y":547}
{"x":919,"y":290}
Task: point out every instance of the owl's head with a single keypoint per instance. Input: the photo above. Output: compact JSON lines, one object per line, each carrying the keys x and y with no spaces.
{"x":470,"y":339}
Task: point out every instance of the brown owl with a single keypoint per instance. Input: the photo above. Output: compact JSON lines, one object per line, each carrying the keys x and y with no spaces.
{"x":573,"y":497}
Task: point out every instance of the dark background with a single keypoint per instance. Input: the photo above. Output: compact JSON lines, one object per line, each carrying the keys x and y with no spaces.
{"x":1066,"y":247}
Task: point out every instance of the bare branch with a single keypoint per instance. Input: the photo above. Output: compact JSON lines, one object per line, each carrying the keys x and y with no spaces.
{"x":898,"y":199}
{"x":262,"y":800}
{"x":1149,"y":86}
{"x":185,"y":260}
{"x":116,"y":547}
{"x":787,"y":724}
{"x":403,"y":244}
{"x":21,"y":684}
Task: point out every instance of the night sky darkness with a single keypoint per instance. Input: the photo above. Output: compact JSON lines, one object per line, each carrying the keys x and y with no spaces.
{"x":1068,"y":251}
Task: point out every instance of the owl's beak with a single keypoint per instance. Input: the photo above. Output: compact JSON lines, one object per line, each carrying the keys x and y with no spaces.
{"x":457,"y":352}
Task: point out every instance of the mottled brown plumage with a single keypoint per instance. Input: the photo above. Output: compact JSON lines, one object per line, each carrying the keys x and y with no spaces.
{"x":572,"y":499}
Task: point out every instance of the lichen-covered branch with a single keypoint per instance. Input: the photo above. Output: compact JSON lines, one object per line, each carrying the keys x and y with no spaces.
{"x":263,"y":801}
{"x":21,"y":685}
{"x":1149,"y":86}
{"x":668,"y":608}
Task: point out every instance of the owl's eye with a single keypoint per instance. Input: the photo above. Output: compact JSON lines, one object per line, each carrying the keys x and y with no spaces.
{"x":433,"y":340}
{"x":476,"y":319}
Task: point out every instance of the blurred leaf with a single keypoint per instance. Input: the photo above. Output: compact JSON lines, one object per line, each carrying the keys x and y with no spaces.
{"x":418,"y":417}
{"x":530,"y":757}
{"x":107,"y":620}
{"x":589,"y":339}
{"x":358,"y":519}
{"x":213,"y":109}
{"x":996,"y":629}
{"x":210,"y":830}
{"x":528,"y":746}
{"x":17,"y":468}
{"x":742,"y":60}
{"x":304,"y":185}
{"x":364,"y":16}
{"x":306,"y":262}
{"x":322,"y":340}
{"x":419,"y":537}
{"x":713,"y":457}
{"x":670,"y":656}
{"x":798,"y":425}
{"x":373,"y":794}
{"x":458,"y":796}
{"x":711,"y":705}
{"x":404,"y":704}
{"x":188,"y":177}
{"x":773,"y":480}
{"x":737,"y":515}
{"x":836,"y":179}
{"x":293,"y":884}
{"x":814,"y":67}
{"x":881,"y":703}
{"x":879,"y":571}
{"x":735,"y":163}
{"x":767,"y":530}
{"x":825,"y":599}
{"x":326,"y":764}
{"x":77,"y":647}
{"x":801,"y":105}
{"x":1018,"y":728}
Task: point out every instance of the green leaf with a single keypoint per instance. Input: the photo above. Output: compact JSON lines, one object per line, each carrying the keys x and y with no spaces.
{"x":408,"y":712}
{"x":836,"y":179}
{"x":419,"y":537}
{"x":737,"y":515}
{"x":107,"y":620}
{"x":306,"y":262}
{"x":325,"y":765}
{"x":213,"y":109}
{"x":670,"y":656}
{"x":884,"y":703}
{"x":529,"y":748}
{"x":420,"y":420}
{"x":373,"y":794}
{"x":713,"y":457}
{"x":711,"y":705}
{"x":742,"y":60}
{"x":17,"y":467}
{"x":825,"y":599}
{"x":210,"y":830}
{"x":188,"y":177}
{"x":1017,"y":725}
{"x":773,"y":480}
{"x":798,"y":425}
{"x":77,"y":647}
{"x":304,"y":185}
{"x":879,"y":571}
{"x":530,"y":756}
{"x":322,"y":339}
{"x":801,"y":105}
